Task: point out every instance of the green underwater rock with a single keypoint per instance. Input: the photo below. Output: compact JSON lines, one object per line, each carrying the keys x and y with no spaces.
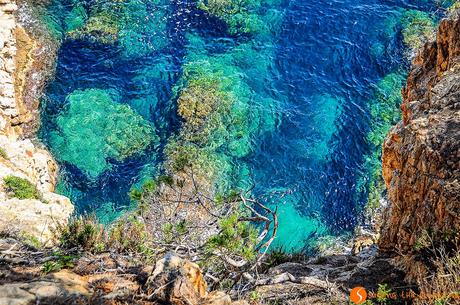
{"x":239,"y":16}
{"x":245,"y":16}
{"x":221,"y":112}
{"x":327,"y":110}
{"x":94,"y":128}
{"x":76,"y":18}
{"x":417,"y":28}
{"x":385,"y":110}
{"x":384,"y":113}
{"x":127,"y":22}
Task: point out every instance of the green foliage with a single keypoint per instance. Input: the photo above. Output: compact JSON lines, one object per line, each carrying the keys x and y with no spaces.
{"x":94,"y":128}
{"x":129,"y":235}
{"x":31,"y":241}
{"x":20,"y":188}
{"x":148,"y":187}
{"x":62,"y":261}
{"x":280,"y":255}
{"x":82,"y":232}
{"x":3,"y":153}
{"x":165,"y":179}
{"x":235,"y":237}
{"x":417,"y":28}
{"x":135,"y":194}
{"x":254,"y":296}
{"x":383,"y":293}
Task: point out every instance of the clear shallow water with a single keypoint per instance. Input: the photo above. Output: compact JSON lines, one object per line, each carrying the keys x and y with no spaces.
{"x":314,"y":72}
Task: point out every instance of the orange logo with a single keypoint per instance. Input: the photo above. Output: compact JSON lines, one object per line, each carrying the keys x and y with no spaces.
{"x":358,"y":295}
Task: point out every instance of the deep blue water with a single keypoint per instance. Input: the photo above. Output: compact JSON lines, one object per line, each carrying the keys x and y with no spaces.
{"x":327,"y":57}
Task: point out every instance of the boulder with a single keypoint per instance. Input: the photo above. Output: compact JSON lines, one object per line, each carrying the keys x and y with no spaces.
{"x":177,"y":281}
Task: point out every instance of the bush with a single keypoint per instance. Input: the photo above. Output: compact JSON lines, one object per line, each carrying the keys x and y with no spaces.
{"x":126,"y":235}
{"x":235,"y":238}
{"x":62,"y":261}
{"x":442,"y":252}
{"x":83,"y":232}
{"x":129,"y":235}
{"x":20,"y":188}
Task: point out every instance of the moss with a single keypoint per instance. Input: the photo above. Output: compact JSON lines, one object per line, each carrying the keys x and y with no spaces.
{"x":31,"y":241}
{"x":94,"y":128}
{"x":20,"y":188}
{"x":60,"y":261}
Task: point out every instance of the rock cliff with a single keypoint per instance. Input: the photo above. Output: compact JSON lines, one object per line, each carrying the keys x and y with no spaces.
{"x":421,"y":154}
{"x":23,"y":72}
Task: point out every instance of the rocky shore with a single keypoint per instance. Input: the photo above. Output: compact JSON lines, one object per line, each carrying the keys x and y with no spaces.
{"x":23,"y":72}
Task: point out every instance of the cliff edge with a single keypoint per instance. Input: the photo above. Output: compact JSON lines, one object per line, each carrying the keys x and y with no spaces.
{"x":29,"y":208}
{"x":421,"y":154}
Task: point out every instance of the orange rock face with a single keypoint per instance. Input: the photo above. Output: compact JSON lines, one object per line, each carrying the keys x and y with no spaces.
{"x":421,"y":154}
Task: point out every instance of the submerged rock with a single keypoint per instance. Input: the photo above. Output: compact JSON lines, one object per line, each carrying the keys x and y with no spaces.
{"x":94,"y":128}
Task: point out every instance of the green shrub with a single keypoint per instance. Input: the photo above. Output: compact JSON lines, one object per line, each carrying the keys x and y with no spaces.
{"x":20,"y":188}
{"x":62,"y":261}
{"x":235,"y":237}
{"x":129,"y":235}
{"x":83,"y":232}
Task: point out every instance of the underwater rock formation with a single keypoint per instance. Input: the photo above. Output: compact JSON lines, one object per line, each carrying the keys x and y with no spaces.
{"x":421,"y":154}
{"x":21,"y":80}
{"x":417,"y":28}
{"x":116,"y":21}
{"x":94,"y":128}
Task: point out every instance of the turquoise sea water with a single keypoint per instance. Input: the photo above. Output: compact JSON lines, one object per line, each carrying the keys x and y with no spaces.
{"x":305,"y":75}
